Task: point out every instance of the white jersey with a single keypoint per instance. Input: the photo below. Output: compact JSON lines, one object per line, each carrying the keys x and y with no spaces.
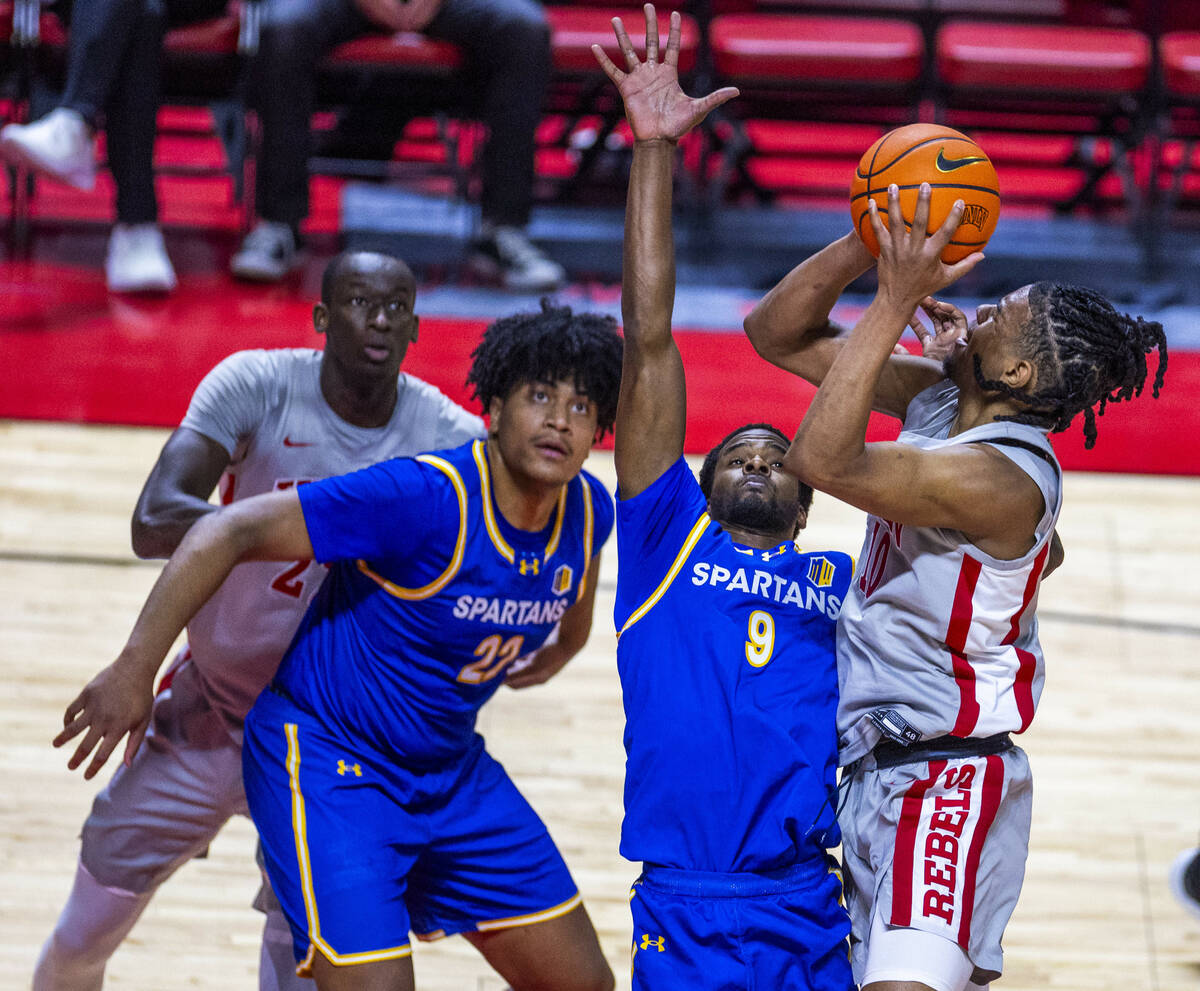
{"x":936,"y":637}
{"x":266,"y":409}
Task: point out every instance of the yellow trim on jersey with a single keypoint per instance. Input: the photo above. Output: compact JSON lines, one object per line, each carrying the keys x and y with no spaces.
{"x":435,"y":586}
{"x":697,"y":532}
{"x":589,"y":519}
{"x":489,"y":514}
{"x":300,"y":835}
{"x":527,"y":920}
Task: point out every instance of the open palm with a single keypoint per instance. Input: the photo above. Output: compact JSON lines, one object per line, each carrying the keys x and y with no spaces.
{"x":655,"y":106}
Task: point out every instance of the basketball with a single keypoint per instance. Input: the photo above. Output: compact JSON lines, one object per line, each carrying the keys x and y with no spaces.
{"x":954,"y":165}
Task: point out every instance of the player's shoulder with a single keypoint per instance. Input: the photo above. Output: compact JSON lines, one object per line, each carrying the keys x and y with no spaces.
{"x":271,"y":360}
{"x":267,"y":369}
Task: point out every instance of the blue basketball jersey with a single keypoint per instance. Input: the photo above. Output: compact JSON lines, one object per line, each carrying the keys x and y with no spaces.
{"x":431,"y":595}
{"x":726,"y":657}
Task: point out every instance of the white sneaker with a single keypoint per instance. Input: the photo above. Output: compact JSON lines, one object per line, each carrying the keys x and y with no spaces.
{"x":507,"y":255}
{"x":60,"y":144}
{"x":137,"y":260}
{"x":267,"y":254}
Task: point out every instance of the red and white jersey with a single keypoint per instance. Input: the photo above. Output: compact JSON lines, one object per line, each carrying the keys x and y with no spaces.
{"x":266,"y":409}
{"x":936,"y":637}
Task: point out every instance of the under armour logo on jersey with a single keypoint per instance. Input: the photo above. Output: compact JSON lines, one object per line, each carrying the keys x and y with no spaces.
{"x":778,"y":551}
{"x":649,"y":941}
{"x":529,"y":564}
{"x":820,"y":572}
{"x":344,"y":769}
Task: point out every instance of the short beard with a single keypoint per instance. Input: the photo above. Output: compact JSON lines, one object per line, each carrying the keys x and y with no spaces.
{"x":755,"y":513}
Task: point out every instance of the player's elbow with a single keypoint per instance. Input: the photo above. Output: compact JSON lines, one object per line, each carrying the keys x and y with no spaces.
{"x":148,"y":537}
{"x":812,"y":463}
{"x":758,"y":329}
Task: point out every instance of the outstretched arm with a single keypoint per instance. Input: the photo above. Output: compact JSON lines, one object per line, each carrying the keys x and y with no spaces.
{"x":652,"y":408}
{"x":117,"y":701}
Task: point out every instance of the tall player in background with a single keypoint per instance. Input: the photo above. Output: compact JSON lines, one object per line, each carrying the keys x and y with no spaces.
{"x":259,"y":422}
{"x":938,"y":652}
{"x":726,"y":649}
{"x":379,"y":809}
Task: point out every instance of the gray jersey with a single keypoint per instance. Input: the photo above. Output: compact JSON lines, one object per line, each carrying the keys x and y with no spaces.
{"x":936,"y":637}
{"x":266,"y":409}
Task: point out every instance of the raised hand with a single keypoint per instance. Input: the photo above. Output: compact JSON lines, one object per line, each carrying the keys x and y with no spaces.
{"x":910,"y":266}
{"x":655,"y":106}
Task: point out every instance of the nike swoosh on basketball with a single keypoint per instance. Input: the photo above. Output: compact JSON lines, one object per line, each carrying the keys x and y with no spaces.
{"x":288,"y":442}
{"x":945,"y":164}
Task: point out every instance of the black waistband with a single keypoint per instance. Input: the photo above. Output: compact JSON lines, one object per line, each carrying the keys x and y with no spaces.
{"x":888,"y":753}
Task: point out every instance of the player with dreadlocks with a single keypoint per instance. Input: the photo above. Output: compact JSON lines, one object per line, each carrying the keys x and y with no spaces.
{"x":938,"y":652}
{"x":380,"y":811}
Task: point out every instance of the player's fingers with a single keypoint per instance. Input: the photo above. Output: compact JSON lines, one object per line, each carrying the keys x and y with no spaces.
{"x":610,"y":70}
{"x":961,"y":268}
{"x":882,"y":238}
{"x":651,"y":33}
{"x":921,"y":214}
{"x":107,"y":746}
{"x":69,"y":732}
{"x":135,"y":740}
{"x":672,"y":56}
{"x":74,"y":721}
{"x":941,"y":237}
{"x":895,"y":214}
{"x":73,"y":709}
{"x":707,"y":104}
{"x":86,"y":746}
{"x":626,"y":46}
{"x":918,"y":328}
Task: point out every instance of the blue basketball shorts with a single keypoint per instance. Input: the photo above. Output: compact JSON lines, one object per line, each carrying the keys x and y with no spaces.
{"x":780,"y":931}
{"x":361,"y":851}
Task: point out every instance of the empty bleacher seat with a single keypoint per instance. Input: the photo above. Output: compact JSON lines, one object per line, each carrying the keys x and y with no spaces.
{"x":803,"y":68}
{"x":1091,"y":83}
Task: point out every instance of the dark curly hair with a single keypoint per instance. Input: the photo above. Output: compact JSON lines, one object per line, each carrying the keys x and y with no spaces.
{"x":552,"y":344}
{"x":709,"y":469}
{"x":1086,"y":353}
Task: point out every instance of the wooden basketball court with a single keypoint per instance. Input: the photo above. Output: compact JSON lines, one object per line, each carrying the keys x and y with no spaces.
{"x":1115,"y":748}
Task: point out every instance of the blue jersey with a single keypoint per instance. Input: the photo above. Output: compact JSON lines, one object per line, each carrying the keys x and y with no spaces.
{"x":431,"y":595}
{"x":726,"y":656}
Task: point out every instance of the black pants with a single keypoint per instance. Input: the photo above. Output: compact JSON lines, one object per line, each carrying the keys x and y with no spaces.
{"x":114,"y":68}
{"x":507,"y":43}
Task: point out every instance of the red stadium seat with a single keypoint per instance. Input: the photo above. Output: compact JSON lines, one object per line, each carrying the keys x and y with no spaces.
{"x":573,"y":31}
{"x":1092,"y":83}
{"x":1177,"y":165}
{"x":586,"y":111}
{"x":803,"y":67}
{"x":802,"y":51}
{"x":403,"y":52}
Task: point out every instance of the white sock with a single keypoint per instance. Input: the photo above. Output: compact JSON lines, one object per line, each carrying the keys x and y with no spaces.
{"x":90,"y":927}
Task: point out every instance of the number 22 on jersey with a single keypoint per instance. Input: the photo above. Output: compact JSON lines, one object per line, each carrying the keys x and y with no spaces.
{"x":495,"y":654}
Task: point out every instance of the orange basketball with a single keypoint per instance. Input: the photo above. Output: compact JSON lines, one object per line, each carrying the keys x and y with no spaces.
{"x":954,"y":165}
